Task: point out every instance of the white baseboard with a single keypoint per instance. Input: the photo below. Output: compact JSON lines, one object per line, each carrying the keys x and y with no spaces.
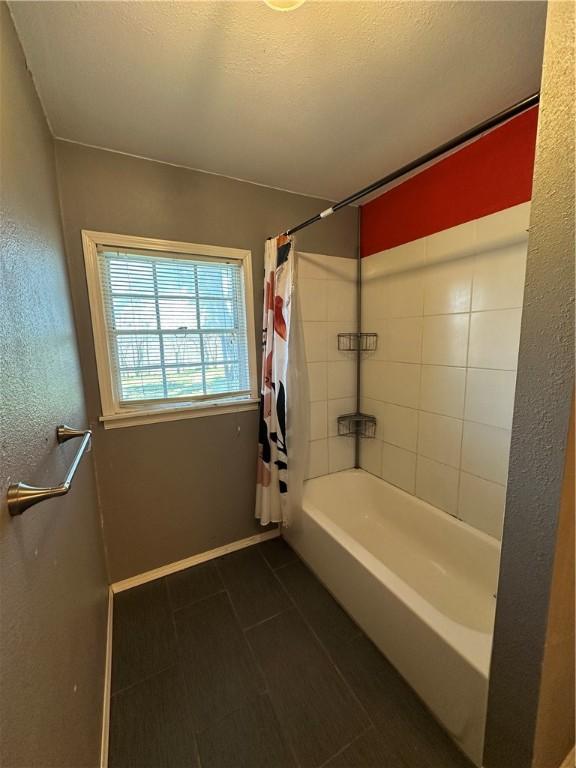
{"x":107,"y":684}
{"x":202,"y":557}
{"x":569,"y":761}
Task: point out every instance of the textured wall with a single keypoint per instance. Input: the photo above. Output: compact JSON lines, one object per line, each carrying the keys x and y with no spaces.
{"x":555,"y":723}
{"x":52,"y":578}
{"x":173,"y":489}
{"x":323,"y":100}
{"x":541,"y":415}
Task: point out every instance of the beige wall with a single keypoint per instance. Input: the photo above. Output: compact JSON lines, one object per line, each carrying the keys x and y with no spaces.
{"x":52,"y":577}
{"x":173,"y":489}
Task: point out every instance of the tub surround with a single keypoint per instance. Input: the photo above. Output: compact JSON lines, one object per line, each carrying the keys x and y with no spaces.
{"x":328,"y":300}
{"x":447,"y":310}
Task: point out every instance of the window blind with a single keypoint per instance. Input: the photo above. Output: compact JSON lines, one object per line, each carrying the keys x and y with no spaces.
{"x":176,"y":326}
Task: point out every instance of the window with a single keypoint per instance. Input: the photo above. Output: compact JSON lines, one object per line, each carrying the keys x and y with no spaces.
{"x":173,"y":328}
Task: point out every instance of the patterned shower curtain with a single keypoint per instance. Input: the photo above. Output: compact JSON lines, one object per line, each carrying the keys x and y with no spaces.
{"x":272,"y":478}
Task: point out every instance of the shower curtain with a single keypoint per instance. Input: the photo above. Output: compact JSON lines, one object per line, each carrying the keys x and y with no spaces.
{"x":282,"y":440}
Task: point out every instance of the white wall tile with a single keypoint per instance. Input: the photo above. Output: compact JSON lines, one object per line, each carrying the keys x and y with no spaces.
{"x":317,"y":381}
{"x":401,"y":259}
{"x":499,"y":278}
{"x":447,"y":309}
{"x":494,"y":339}
{"x":374,"y":299}
{"x":372,"y":379}
{"x":371,"y":456}
{"x":318,"y":458}
{"x":399,"y":467}
{"x":332,"y":331}
{"x":311,"y":266}
{"x":314,"y":299}
{"x":448,"y":287}
{"x":452,"y":243}
{"x":374,"y":408}
{"x":445,"y":340}
{"x":485,"y":451}
{"x":318,"y":420}
{"x":397,"y":425}
{"x":338,"y":408}
{"x":340,"y":453}
{"x":323,"y":267}
{"x":315,"y":342}
{"x":341,"y":379}
{"x":402,"y":340}
{"x":339,"y":268}
{"x":379,"y":327}
{"x":442,"y":390}
{"x":437,"y":484}
{"x":440,"y":438}
{"x":404,"y":295}
{"x":481,"y":504}
{"x":341,"y":298}
{"x":490,"y":397}
{"x":400,"y":384}
{"x":503,"y":228}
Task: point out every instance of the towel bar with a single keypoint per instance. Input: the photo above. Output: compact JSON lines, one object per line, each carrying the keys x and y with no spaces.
{"x":20,"y":496}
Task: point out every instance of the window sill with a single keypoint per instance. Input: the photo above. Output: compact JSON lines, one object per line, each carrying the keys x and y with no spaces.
{"x":152,"y":416}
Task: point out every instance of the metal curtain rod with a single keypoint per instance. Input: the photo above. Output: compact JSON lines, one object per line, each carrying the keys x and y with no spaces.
{"x":472,"y":133}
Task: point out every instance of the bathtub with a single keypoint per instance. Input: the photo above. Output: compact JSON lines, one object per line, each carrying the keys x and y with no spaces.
{"x":420,"y":583}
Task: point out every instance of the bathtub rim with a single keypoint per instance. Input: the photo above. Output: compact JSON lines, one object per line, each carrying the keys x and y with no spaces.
{"x":474,"y":646}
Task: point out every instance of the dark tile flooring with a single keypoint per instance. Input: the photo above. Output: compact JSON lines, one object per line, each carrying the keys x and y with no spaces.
{"x":248,"y":662}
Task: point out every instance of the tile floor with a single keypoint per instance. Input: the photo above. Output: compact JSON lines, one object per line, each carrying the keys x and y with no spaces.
{"x":248,"y":662}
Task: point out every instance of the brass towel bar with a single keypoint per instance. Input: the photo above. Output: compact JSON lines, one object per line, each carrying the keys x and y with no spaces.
{"x":20,"y":496}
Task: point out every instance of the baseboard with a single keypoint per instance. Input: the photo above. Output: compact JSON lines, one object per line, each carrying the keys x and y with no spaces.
{"x":569,"y":761}
{"x":202,"y":557}
{"x":107,"y":684}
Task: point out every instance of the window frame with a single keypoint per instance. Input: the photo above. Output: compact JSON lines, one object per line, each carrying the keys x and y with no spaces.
{"x":115,"y":414}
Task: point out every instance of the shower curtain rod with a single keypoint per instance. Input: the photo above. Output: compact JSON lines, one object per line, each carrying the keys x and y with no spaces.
{"x":472,"y":133}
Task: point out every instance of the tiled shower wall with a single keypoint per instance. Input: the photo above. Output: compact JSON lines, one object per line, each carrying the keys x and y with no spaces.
{"x":328,"y":300}
{"x":447,"y":311}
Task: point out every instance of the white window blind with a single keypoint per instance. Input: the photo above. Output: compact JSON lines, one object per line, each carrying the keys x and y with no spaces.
{"x":176,"y":326}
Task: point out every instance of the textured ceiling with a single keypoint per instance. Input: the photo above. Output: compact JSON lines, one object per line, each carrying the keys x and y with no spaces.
{"x":321,"y":100}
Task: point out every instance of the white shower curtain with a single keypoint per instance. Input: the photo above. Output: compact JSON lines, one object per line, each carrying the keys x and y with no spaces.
{"x":282,"y":454}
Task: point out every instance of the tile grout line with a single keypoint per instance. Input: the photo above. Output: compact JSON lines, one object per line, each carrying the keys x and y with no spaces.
{"x":239,"y":625}
{"x":370,"y":727}
{"x":420,"y":372}
{"x":180,"y":661}
{"x":198,"y":600}
{"x":459,"y":483}
{"x":144,"y":679}
{"x":326,"y":652}
{"x":257,"y":693}
{"x":285,"y":737}
{"x":264,"y":621}
{"x":323,"y":646}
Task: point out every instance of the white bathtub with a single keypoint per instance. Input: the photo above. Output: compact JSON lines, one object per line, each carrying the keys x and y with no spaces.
{"x":420,"y":583}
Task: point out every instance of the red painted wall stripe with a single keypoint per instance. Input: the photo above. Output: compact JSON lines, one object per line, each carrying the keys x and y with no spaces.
{"x":492,"y":173}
